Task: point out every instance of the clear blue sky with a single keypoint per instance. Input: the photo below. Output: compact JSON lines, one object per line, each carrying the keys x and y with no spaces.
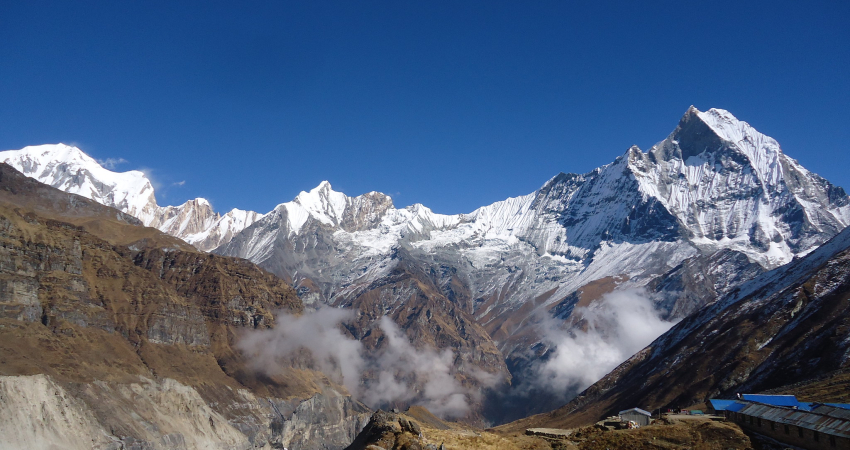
{"x":453,"y":104}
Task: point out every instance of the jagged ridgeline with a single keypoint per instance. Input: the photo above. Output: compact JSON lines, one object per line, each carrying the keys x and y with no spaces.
{"x":522,"y":302}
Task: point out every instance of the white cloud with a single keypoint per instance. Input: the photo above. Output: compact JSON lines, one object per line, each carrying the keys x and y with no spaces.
{"x":111,"y":163}
{"x":401,"y":365}
{"x":405,"y":374}
{"x":334,"y":353}
{"x":618,"y":326}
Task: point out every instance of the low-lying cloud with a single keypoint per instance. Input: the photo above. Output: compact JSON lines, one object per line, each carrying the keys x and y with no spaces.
{"x":608,"y":332}
{"x":400,"y":364}
{"x":334,"y":353}
{"x":403,"y":373}
{"x":616,"y":327}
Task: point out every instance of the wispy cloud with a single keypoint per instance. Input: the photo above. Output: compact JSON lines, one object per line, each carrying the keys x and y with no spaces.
{"x":423,"y":376}
{"x":334,"y":353}
{"x":111,"y":163}
{"x":405,"y":374}
{"x":616,"y":328}
{"x":179,"y":183}
{"x":151,"y":175}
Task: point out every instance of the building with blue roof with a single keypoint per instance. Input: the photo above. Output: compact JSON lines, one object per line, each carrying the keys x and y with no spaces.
{"x":783,"y":418}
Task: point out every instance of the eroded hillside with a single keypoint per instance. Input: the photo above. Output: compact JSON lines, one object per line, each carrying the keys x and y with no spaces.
{"x":133,"y":345}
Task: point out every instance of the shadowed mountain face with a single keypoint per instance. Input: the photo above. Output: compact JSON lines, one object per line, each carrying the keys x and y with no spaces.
{"x":785,"y":327}
{"x":516,"y":290}
{"x":134,"y":345}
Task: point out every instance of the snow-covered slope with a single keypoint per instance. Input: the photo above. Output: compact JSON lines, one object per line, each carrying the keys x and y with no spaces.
{"x":785,"y":328}
{"x":732,"y":186}
{"x":69,"y":169}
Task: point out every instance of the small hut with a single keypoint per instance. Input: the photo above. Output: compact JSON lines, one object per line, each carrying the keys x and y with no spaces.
{"x":636,"y":415}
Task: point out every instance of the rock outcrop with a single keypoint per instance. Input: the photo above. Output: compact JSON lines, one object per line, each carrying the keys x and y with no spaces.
{"x":387,"y":430}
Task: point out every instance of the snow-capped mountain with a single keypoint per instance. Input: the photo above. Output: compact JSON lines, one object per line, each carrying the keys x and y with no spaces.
{"x":715,"y":183}
{"x":711,"y":206}
{"x":69,"y":169}
{"x":196,"y":223}
{"x":689,"y":220}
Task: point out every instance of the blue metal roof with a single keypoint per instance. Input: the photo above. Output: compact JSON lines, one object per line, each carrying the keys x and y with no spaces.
{"x":720,"y":405}
{"x":806,"y":406}
{"x":775,"y":400}
{"x":735,"y":407}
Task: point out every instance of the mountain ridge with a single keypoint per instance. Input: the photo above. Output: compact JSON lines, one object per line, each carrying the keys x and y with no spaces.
{"x":115,"y":335}
{"x":715,"y":190}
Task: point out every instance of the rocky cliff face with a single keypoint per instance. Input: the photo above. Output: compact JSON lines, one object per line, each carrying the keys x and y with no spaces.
{"x":133,"y":346}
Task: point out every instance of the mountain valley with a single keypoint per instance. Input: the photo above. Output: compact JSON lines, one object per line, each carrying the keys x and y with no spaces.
{"x":710,"y":261}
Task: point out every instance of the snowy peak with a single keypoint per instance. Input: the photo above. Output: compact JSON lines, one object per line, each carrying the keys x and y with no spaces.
{"x":730,"y":186}
{"x":335,"y":209}
{"x":67,"y":168}
{"x":713,"y":131}
{"x":323,"y":203}
{"x":191,"y":217}
{"x":729,"y":128}
{"x":715,"y":182}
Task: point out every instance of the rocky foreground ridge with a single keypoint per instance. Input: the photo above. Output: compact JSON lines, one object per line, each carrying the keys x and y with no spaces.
{"x":114,"y":335}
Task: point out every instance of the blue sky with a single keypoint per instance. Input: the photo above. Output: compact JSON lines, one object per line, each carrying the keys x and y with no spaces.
{"x":452,"y":104}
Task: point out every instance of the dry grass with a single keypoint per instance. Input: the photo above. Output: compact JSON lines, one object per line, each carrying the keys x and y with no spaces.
{"x":691,"y":434}
{"x":465,"y":439}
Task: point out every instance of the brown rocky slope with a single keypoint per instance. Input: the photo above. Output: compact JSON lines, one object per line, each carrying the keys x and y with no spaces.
{"x":125,"y":337}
